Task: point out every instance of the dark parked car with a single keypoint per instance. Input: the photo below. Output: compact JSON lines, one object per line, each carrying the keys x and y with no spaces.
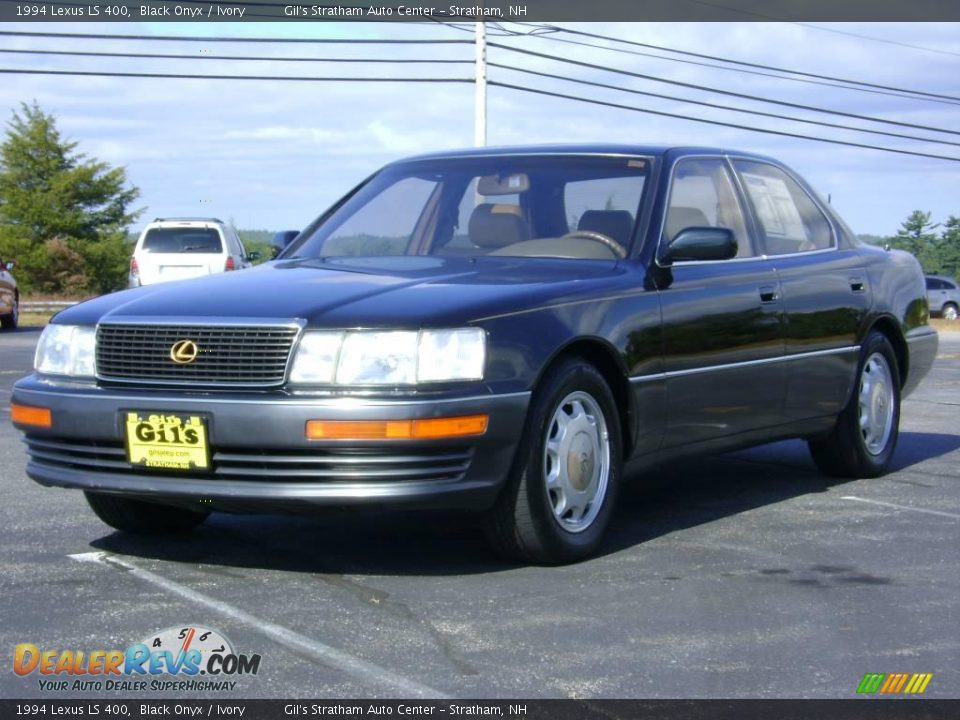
{"x":943,"y":294}
{"x":504,"y":330}
{"x":9,"y":297}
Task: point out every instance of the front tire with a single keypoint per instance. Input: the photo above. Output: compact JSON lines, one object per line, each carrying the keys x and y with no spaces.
{"x":862,"y":443}
{"x":949,"y":312}
{"x":142,"y":518}
{"x":559,"y":497}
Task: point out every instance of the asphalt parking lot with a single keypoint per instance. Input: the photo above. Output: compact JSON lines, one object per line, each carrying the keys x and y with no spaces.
{"x":744,"y":575}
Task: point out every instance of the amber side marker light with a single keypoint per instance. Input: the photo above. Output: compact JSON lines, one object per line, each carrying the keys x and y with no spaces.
{"x":26,"y":415}
{"x":427,"y":429}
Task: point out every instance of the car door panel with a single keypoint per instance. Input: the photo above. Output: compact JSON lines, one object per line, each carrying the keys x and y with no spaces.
{"x":722,"y":320}
{"x":826,"y":293}
{"x":826,"y":297}
{"x":722,"y":346}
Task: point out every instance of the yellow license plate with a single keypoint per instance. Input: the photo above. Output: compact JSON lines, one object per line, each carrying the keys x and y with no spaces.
{"x":162,"y":440}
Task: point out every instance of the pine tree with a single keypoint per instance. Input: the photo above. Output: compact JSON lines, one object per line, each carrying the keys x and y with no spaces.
{"x":63,"y":216}
{"x":916,"y":235}
{"x":949,"y":247}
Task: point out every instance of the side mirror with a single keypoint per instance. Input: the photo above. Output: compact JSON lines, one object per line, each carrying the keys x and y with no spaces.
{"x":282,"y":239}
{"x":701,"y":243}
{"x":252,"y":256}
{"x":9,"y":265}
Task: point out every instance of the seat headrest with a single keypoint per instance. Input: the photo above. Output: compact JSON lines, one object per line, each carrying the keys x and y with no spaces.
{"x":615,"y":224}
{"x":494,"y":226}
{"x":680,"y":218}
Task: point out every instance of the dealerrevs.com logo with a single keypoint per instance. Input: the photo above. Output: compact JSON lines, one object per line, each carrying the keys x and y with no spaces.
{"x":175,"y":659}
{"x":894,"y":683}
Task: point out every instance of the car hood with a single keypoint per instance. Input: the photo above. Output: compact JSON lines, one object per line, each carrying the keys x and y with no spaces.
{"x":360,"y":292}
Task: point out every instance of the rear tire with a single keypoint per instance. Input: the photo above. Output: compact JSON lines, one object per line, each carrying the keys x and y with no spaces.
{"x":560,"y":494}
{"x":142,"y":518}
{"x":862,"y":443}
{"x":12,"y":319}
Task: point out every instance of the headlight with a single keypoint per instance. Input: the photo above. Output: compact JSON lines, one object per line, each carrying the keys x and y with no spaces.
{"x":67,"y":350}
{"x":389,"y":357}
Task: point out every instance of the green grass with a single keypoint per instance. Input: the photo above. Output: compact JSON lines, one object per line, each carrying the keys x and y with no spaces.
{"x":34,"y":319}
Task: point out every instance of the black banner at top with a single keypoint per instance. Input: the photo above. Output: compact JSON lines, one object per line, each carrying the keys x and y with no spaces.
{"x":491,"y":10}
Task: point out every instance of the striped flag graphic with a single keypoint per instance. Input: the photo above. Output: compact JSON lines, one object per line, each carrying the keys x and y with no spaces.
{"x":894,"y":683}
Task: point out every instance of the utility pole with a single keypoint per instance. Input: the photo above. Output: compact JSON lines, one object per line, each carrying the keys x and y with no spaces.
{"x":480,"y":94}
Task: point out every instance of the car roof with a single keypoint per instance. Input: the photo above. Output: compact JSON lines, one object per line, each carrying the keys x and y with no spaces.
{"x":598,"y":149}
{"x":187,"y":221}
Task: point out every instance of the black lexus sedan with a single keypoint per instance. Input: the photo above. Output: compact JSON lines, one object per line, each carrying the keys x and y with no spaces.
{"x":505,"y":330}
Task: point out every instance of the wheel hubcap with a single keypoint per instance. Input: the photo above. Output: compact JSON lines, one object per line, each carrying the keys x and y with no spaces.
{"x":576,"y":461}
{"x":876,"y":404}
{"x":950,"y":313}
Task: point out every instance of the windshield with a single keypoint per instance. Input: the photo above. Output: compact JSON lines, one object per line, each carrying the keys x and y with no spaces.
{"x":182,"y":240}
{"x":556,"y":207}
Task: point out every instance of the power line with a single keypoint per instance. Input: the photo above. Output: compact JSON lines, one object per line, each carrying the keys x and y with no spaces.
{"x":904,"y":94}
{"x":174,"y":56}
{"x":736,"y":126}
{"x":176,"y":38}
{"x":876,"y":39}
{"x":731,"y":93}
{"x":860,"y":36}
{"x":296,"y":78}
{"x":747,"y":64}
{"x":718,"y":106}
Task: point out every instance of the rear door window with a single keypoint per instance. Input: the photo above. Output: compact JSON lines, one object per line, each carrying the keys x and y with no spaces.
{"x":790,"y":220}
{"x":182,"y":240}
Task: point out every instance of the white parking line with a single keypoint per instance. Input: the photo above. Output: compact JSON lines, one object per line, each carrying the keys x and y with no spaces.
{"x":902,"y":507}
{"x":339,"y":659}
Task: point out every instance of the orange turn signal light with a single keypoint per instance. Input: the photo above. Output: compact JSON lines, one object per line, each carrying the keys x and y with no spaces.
{"x":426,"y":429}
{"x":26,"y":415}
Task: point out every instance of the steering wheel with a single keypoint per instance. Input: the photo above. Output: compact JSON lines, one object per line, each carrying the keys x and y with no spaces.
{"x":616,"y":248}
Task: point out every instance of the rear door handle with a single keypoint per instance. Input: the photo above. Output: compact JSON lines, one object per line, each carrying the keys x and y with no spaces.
{"x":857,"y":285}
{"x":768,"y":294}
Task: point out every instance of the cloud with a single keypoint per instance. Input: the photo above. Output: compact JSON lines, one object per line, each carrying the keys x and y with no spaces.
{"x":276,"y":153}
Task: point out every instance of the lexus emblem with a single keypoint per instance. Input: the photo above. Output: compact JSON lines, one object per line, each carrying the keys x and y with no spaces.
{"x":184,"y":352}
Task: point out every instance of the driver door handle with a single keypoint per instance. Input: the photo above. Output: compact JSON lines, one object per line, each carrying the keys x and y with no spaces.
{"x":768,"y":294}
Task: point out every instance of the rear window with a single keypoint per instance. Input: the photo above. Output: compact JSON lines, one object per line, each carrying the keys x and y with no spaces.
{"x":182,"y":240}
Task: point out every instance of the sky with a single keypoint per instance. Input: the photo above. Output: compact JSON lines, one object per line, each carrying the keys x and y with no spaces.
{"x":274,"y":154}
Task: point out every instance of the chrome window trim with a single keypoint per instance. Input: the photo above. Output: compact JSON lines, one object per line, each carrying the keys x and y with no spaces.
{"x":748,"y":213}
{"x":746,"y":363}
{"x":473,"y":155}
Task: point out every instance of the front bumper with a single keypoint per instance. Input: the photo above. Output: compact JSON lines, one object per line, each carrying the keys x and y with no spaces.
{"x":260,"y":456}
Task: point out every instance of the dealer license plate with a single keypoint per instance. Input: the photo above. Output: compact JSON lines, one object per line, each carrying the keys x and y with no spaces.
{"x":166,"y":441}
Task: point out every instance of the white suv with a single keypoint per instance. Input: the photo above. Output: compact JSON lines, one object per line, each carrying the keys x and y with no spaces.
{"x":181,"y":248}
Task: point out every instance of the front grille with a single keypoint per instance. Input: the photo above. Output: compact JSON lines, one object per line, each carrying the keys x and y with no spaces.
{"x":327,"y":465}
{"x":238,"y":355}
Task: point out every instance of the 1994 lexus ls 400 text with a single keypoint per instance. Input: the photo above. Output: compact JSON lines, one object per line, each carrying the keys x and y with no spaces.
{"x":505,"y":330}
